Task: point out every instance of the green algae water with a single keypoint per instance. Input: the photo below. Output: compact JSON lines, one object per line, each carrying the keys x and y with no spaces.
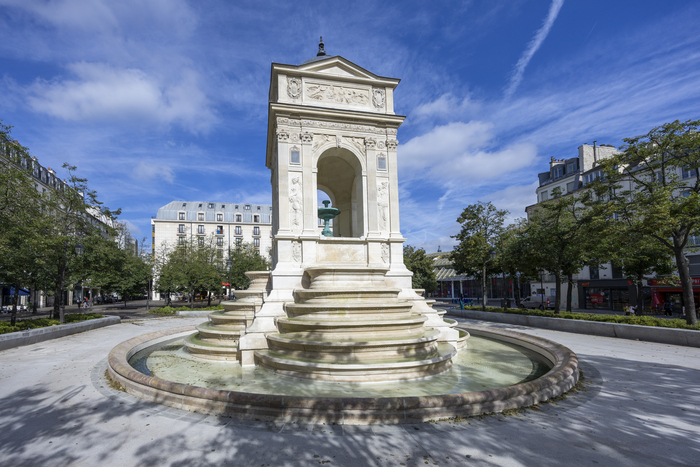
{"x":485,"y":364}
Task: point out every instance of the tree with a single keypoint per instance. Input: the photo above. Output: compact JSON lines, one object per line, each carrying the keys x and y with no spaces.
{"x":515,"y":256}
{"x":565,"y":235}
{"x":653,"y":185}
{"x":482,"y":225}
{"x":245,"y":257}
{"x":191,"y":266}
{"x":23,"y":221}
{"x":422,"y":268}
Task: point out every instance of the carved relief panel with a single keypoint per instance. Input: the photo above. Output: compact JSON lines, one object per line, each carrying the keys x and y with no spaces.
{"x":296,"y":202}
{"x":383,"y":205}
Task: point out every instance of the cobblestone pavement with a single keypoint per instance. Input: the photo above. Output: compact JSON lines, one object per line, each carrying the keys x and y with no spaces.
{"x":638,"y":407}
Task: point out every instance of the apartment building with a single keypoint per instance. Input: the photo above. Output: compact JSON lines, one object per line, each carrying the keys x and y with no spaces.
{"x":230,"y":224}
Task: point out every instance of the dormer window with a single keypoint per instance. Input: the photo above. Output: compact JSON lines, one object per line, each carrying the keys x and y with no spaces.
{"x":181,"y":216}
{"x":238,"y":218}
{"x":184,"y":205}
{"x":247,"y":207}
{"x":210,"y":206}
{"x":200,"y":216}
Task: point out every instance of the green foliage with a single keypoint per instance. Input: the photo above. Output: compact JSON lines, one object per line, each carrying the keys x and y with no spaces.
{"x":639,"y":320}
{"x":422,"y":268}
{"x":644,"y":187}
{"x":168,"y":310}
{"x":245,"y":257}
{"x":475,"y":254}
{"x":23,"y":325}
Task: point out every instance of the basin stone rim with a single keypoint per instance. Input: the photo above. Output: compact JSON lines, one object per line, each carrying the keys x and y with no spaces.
{"x":349,"y":410}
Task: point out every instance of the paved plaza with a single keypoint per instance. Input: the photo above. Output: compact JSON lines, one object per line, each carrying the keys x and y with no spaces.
{"x":638,"y":406}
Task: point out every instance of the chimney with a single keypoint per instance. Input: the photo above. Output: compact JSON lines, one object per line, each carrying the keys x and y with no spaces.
{"x":595,"y":155}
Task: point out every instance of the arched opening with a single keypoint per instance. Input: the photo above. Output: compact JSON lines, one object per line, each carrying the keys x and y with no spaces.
{"x":340,"y":177}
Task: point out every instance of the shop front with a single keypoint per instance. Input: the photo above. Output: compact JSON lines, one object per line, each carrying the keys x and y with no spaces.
{"x":662,"y":292}
{"x":607,"y":294}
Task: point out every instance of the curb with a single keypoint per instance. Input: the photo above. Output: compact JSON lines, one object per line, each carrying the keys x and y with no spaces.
{"x":684,"y":337}
{"x":32,"y":336}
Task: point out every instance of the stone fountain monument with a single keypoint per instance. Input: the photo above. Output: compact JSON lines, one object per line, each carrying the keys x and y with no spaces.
{"x":338,"y":304}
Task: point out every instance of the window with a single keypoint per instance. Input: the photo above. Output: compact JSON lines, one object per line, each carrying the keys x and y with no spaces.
{"x":181,"y":228}
{"x":570,"y":187}
{"x":223,"y":206}
{"x":238,"y":218}
{"x":181,"y":216}
{"x":219,"y":253}
{"x":256,"y":242}
{"x":381,"y":162}
{"x":572,"y":167}
{"x":220,"y":241}
{"x":181,"y":240}
{"x":219,"y":217}
{"x":184,"y":205}
{"x":559,"y":171}
{"x":239,"y":241}
{"x":239,"y":230}
{"x":595,"y":272}
{"x":295,"y":157}
{"x":617,"y":272}
{"x":219,"y":230}
{"x":200,"y":229}
{"x":210,"y":206}
{"x":544,"y":196}
{"x":256,"y":218}
{"x":688,"y":172}
{"x":200,"y":241}
{"x":247,"y":207}
{"x":256,"y":230}
{"x":200,"y":216}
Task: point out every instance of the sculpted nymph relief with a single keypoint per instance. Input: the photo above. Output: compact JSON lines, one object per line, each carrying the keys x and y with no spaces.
{"x":383,"y":204}
{"x":296,"y":202}
{"x":385,"y":252}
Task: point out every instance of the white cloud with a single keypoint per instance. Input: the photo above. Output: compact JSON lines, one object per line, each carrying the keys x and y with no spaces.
{"x":532,"y":47}
{"x":146,"y":171}
{"x":102,"y":92}
{"x":462,"y":151}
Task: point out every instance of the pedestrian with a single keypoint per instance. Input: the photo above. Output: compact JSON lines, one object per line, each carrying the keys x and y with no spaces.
{"x":668,"y":309}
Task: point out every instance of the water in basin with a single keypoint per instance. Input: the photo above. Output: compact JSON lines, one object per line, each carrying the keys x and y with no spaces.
{"x":487,"y":364}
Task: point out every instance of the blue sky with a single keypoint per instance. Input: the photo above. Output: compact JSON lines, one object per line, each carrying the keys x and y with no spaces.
{"x":167,"y":99}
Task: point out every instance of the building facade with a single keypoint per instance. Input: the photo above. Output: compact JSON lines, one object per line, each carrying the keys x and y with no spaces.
{"x":229,"y":224}
{"x":603,"y":287}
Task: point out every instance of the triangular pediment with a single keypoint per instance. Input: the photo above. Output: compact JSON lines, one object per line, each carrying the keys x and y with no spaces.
{"x":338,"y":66}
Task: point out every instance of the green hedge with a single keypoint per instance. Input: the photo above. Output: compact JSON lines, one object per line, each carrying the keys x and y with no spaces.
{"x":168,"y":310}
{"x":641,"y":320}
{"x":44,"y":322}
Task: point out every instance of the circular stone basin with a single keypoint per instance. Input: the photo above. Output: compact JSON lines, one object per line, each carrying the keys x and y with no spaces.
{"x":499,"y":370}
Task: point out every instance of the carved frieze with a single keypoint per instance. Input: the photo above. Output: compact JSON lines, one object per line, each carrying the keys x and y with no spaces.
{"x":385,"y":252}
{"x":296,"y":251}
{"x":296,"y":202}
{"x":392,"y":144}
{"x":294,"y":88}
{"x":370,"y":143}
{"x":338,"y":140}
{"x":383,"y":205}
{"x":335,"y":126}
{"x":336,"y":94}
{"x":378,"y":98}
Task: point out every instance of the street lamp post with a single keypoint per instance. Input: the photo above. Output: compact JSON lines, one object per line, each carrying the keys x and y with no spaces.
{"x":542,"y":288}
{"x":228,"y":266}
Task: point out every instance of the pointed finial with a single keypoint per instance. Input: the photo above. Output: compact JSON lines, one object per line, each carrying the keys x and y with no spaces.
{"x":321,"y":49}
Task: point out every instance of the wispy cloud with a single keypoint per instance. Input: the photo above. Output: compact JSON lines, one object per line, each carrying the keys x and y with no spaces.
{"x":532,"y":47}
{"x":101,"y":92}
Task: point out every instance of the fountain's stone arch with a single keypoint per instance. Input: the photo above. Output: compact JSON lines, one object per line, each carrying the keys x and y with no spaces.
{"x":340,"y":174}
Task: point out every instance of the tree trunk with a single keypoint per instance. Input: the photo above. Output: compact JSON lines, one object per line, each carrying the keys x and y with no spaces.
{"x":192,"y":299}
{"x":557,"y":303}
{"x":516,"y":291}
{"x":686,"y":283}
{"x":570,"y":291}
{"x":13,"y":318}
{"x":208,"y":299}
{"x":483,"y":289}
{"x":640,"y":294}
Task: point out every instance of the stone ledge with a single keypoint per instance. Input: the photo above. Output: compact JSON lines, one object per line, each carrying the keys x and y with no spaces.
{"x":685,"y":337}
{"x":32,"y":336}
{"x":350,"y":411}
